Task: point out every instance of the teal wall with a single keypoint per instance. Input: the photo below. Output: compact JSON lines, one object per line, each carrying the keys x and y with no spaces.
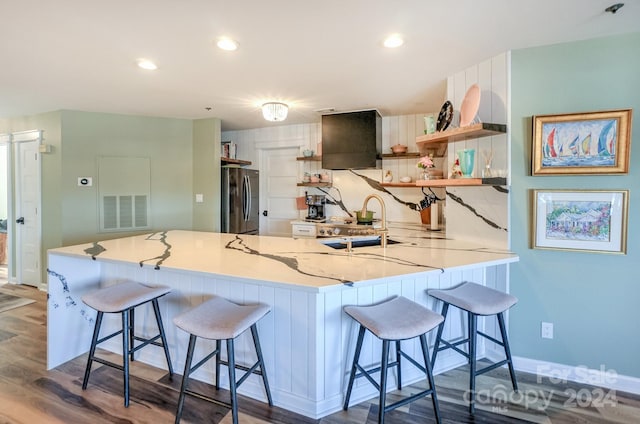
{"x":591,"y":298}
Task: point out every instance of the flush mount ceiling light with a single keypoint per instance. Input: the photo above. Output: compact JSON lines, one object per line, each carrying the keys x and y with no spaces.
{"x":393,"y":41}
{"x":147,"y":64}
{"x":227,"y":44}
{"x":275,"y":111}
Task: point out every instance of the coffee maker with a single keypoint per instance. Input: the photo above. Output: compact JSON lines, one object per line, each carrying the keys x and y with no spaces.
{"x":315,"y":207}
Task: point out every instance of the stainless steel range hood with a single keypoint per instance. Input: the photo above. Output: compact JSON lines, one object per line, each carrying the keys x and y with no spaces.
{"x":351,"y":140}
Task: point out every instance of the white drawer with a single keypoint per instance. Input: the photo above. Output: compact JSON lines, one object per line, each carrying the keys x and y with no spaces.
{"x":303,"y":230}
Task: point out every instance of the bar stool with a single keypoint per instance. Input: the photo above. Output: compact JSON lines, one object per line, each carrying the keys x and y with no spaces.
{"x":396,"y":319}
{"x":123,"y":298}
{"x":219,"y":319}
{"x":476,"y":300}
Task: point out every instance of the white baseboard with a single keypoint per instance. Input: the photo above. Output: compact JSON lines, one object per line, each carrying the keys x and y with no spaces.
{"x":580,"y":374}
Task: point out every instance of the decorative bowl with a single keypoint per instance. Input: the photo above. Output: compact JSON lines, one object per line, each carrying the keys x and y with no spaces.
{"x":307,"y":153}
{"x":367,"y":218}
{"x":405,"y":179}
{"x":398,"y":149}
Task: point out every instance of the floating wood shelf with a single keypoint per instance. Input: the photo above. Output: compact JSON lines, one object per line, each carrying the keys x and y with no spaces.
{"x":483,"y":129}
{"x":448,"y":182}
{"x":310,"y":158}
{"x":326,"y":184}
{"x":451,"y":182}
{"x":401,"y":155}
{"x":235,"y":161}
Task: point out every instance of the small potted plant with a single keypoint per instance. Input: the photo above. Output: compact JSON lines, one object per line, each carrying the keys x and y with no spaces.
{"x":425,"y":164}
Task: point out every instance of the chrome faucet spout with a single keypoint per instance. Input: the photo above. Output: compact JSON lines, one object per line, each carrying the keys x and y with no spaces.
{"x":382,"y":231}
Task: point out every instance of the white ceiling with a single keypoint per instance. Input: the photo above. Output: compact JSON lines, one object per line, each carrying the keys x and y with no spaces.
{"x":81,"y":54}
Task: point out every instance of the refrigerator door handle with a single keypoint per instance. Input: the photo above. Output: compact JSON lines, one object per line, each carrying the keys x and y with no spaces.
{"x":246,"y":191}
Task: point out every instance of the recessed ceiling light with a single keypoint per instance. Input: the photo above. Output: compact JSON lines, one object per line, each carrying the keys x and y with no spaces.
{"x":393,"y":41}
{"x":147,"y":64}
{"x":227,"y":44}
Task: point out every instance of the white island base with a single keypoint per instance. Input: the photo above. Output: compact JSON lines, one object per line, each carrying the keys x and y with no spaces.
{"x":307,"y":340}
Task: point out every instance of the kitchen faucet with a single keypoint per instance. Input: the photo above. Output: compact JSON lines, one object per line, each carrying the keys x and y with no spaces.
{"x":382,"y":231}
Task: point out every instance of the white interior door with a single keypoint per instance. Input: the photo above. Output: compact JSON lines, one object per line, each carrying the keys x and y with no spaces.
{"x":278,"y":190}
{"x":27,"y":213}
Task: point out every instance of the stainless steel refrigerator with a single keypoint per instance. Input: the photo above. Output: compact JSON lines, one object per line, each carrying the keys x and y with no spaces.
{"x":240,"y":201}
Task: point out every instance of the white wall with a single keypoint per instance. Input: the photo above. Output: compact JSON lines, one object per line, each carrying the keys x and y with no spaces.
{"x":481,"y":214}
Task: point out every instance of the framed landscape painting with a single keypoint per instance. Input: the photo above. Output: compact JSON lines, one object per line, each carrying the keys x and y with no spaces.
{"x":581,"y":143}
{"x":581,"y":220}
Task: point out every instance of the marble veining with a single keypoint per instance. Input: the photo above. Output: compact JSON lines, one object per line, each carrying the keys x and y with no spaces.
{"x":336,"y":202}
{"x":376,"y":185}
{"x":300,"y":262}
{"x":69,"y":299}
{"x":162,"y":237}
{"x":94,"y":250}
{"x":291,"y":262}
{"x":460,"y":201}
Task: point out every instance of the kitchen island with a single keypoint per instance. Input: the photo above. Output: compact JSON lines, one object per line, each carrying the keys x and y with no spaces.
{"x":307,"y":340}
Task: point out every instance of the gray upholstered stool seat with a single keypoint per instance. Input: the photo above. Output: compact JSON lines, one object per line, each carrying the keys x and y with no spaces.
{"x":123,"y":298}
{"x":476,"y":300}
{"x":219,"y":319}
{"x":396,"y":319}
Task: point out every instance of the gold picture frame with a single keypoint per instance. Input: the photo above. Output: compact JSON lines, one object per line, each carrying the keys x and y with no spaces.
{"x":582,"y":143}
{"x":580,"y":220}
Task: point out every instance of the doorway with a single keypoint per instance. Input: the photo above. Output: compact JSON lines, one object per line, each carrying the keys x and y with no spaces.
{"x":4,"y":205}
{"x":20,"y":158}
{"x":278,"y":189}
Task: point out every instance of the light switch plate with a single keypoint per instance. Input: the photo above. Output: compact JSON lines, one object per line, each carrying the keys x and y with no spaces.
{"x":199,"y":198}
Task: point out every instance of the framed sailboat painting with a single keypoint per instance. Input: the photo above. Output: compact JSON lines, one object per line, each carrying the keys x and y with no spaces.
{"x":581,"y":143}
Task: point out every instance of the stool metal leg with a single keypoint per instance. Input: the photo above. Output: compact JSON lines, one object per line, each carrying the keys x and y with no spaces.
{"x":165,"y":345}
{"x":473,"y":328}
{"x":354,"y":367}
{"x":265,"y":381}
{"x":232,"y":380}
{"x":507,"y":350}
{"x":125,"y":354}
{"x":132,"y":326}
{"x":92,"y":350}
{"x":218,"y":360}
{"x":399,"y":369}
{"x":185,"y":376}
{"x":383,"y":380}
{"x":429,"y":372}
{"x":445,"y":308}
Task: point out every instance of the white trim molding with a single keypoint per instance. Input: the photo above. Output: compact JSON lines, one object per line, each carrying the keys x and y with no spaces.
{"x":602,"y":377}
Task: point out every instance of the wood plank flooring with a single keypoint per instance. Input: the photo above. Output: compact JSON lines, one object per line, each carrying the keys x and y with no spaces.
{"x":31,"y":394}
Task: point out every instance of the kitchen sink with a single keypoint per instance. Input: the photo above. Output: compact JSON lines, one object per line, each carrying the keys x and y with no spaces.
{"x":341,"y":243}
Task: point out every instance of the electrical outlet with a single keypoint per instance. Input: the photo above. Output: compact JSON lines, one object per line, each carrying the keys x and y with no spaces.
{"x":546,"y":330}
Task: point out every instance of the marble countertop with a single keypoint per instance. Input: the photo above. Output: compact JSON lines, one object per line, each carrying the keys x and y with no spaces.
{"x":302,"y":262}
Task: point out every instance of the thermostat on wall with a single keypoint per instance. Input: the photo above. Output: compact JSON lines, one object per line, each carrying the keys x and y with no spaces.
{"x":85,"y":181}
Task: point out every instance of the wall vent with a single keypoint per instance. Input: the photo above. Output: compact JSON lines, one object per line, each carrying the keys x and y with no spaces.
{"x":124,"y":190}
